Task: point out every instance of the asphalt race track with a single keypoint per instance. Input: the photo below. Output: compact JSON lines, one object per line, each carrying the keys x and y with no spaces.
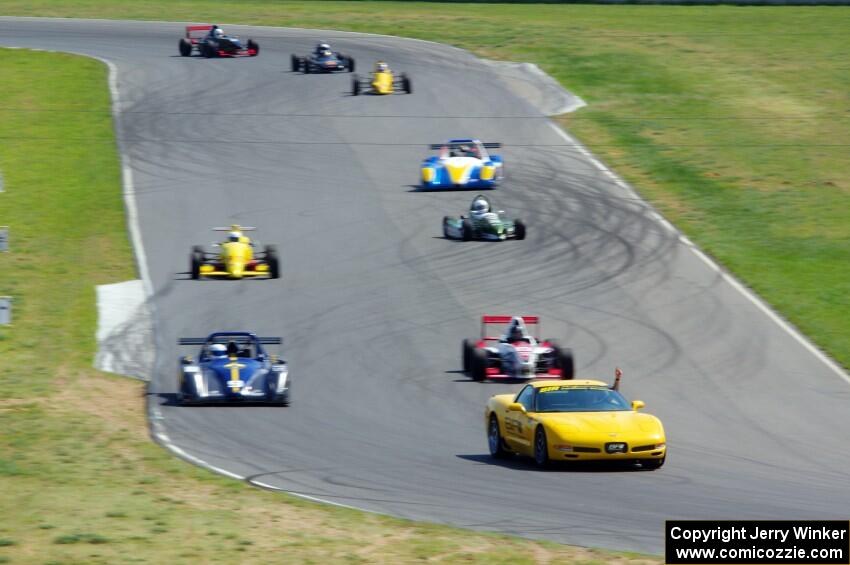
{"x":373,"y":303}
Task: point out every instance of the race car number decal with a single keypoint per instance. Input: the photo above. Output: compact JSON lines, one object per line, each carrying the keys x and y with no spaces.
{"x":566,"y":387}
{"x":235,"y":381}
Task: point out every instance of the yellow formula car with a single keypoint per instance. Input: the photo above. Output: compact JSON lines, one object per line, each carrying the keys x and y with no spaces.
{"x":382,"y":81}
{"x":235,"y":258}
{"x":573,"y":421}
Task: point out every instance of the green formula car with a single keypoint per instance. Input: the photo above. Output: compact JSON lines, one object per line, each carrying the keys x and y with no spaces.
{"x":482,"y":223}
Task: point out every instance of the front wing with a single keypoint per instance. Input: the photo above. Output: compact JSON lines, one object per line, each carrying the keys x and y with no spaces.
{"x":437,"y":176}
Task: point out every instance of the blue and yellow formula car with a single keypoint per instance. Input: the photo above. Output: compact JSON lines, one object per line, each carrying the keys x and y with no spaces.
{"x":233,"y":367}
{"x":462,"y":163}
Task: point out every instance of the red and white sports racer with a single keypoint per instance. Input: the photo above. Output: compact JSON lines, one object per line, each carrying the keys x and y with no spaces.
{"x":517,"y":354}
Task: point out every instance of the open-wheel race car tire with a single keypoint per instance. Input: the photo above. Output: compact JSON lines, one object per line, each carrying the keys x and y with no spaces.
{"x":255,"y":46}
{"x":519,"y":229}
{"x":185,"y":47}
{"x":494,"y":439}
{"x":406,"y":85}
{"x":466,"y":352}
{"x":349,"y":64}
{"x":273,"y":261}
{"x":284,"y":400}
{"x":446,"y":220}
{"x":466,"y":229}
{"x":355,"y":85}
{"x":305,"y":66}
{"x":563,"y":360}
{"x":294,"y":63}
{"x":195,"y":264}
{"x":478,"y":365}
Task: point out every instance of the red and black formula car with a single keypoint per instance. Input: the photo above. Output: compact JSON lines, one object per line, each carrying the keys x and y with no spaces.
{"x":516,"y":355}
{"x":211,"y":41}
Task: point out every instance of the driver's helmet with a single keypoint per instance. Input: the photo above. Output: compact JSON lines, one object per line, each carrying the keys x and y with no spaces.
{"x":479,"y":206}
{"x":234,"y":236}
{"x":381,"y":67}
{"x":466,"y":151}
{"x":515,"y":333}
{"x":218,"y":351}
{"x":218,"y":33}
{"x":321,"y":47}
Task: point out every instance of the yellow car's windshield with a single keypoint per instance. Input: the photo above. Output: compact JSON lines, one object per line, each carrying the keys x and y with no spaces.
{"x":571,"y":399}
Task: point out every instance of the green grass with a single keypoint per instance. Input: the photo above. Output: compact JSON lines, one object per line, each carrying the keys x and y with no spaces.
{"x":80,"y":481}
{"x":733,"y":121}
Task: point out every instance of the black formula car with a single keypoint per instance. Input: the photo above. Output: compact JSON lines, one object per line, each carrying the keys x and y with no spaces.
{"x":211,"y":41}
{"x":322,"y":60}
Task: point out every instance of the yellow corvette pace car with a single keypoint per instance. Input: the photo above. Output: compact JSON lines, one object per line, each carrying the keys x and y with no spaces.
{"x":573,"y":421}
{"x":235,"y":258}
{"x":382,"y":81}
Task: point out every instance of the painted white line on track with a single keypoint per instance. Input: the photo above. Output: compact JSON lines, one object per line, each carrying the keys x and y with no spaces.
{"x":155,"y":417}
{"x":736,"y":284}
{"x":322,"y":500}
{"x":157,"y":428}
{"x":308,"y":497}
{"x":127,"y":182}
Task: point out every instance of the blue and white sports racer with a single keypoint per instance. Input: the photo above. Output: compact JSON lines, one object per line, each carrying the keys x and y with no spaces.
{"x":462,"y":163}
{"x":233,"y":367}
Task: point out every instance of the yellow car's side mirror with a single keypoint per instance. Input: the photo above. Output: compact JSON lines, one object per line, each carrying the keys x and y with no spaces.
{"x":516,"y":407}
{"x":638,"y":404}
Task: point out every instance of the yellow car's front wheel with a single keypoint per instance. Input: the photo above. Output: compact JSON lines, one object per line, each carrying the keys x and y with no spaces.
{"x":494,"y":439}
{"x":541,"y":448}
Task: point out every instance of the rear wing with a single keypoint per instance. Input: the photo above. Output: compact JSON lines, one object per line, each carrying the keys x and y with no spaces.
{"x":192,"y":31}
{"x":438,"y":146}
{"x":528,"y":320}
{"x":236,"y":227}
{"x":236,"y":338}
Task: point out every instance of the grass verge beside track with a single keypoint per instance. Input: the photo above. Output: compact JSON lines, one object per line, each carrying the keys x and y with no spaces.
{"x":80,"y":480}
{"x":733,"y":121}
